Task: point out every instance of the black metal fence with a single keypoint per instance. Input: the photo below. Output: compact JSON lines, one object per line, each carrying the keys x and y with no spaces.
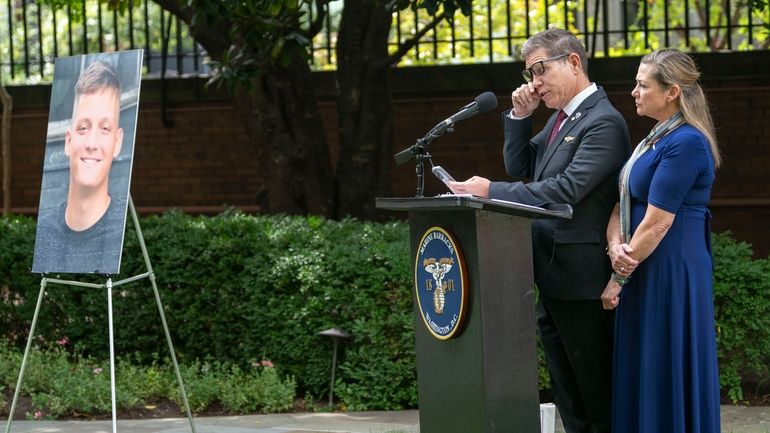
{"x":496,"y":29}
{"x":33,"y":35}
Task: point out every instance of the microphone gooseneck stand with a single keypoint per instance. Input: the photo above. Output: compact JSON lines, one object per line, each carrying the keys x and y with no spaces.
{"x":419,"y":151}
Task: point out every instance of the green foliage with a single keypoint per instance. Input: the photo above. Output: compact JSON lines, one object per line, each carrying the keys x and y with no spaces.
{"x":543,"y":377}
{"x":201,"y":386}
{"x":58,"y":387}
{"x":51,"y":30}
{"x":255,"y":389}
{"x":651,"y":18}
{"x":239,"y":289}
{"x":269,"y":33}
{"x":17,"y":236}
{"x":465,"y":38}
{"x":62,"y":383}
{"x":265,"y":33}
{"x":450,"y":6}
{"x":260,"y":389}
{"x":277,"y":32}
{"x":742,"y":310}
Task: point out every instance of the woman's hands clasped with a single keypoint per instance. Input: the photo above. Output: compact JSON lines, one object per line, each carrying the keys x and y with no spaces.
{"x":623,"y":265}
{"x":620,"y":257}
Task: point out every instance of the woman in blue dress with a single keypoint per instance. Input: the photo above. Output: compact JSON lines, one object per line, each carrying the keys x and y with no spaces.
{"x":665,"y":377}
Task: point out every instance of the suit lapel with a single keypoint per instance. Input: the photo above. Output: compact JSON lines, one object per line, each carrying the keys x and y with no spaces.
{"x":564,"y":137}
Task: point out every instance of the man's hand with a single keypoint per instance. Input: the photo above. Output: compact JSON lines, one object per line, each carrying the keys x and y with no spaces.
{"x":611,"y":295}
{"x":478,"y":186}
{"x":525,"y":100}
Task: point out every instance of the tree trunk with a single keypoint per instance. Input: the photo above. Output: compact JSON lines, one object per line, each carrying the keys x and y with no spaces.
{"x":364,"y":108}
{"x":5,"y":139}
{"x":283,"y":122}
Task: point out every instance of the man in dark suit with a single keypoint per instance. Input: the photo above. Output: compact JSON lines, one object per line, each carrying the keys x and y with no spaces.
{"x":574,"y":160}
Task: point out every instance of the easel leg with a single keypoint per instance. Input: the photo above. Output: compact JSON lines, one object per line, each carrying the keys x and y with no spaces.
{"x":173,"y":355}
{"x":112,"y":358}
{"x":43,"y":283}
{"x":160,"y":311}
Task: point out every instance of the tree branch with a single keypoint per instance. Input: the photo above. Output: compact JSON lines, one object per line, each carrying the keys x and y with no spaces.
{"x":317,"y":24}
{"x":215,"y":39}
{"x":410,"y":43}
{"x":698,"y":10}
{"x":717,"y":43}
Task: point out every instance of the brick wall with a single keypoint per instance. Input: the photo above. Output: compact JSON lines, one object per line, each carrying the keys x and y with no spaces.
{"x":203,"y":161}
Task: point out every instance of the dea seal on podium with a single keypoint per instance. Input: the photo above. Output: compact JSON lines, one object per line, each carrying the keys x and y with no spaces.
{"x":440,"y":283}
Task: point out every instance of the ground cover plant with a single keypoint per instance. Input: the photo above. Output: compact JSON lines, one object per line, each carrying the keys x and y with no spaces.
{"x":59,"y":384}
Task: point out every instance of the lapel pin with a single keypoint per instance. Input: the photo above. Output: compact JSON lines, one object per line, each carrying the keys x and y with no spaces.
{"x":568,"y":138}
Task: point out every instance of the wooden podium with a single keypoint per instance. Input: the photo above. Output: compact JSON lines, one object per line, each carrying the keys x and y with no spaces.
{"x":484,"y":378}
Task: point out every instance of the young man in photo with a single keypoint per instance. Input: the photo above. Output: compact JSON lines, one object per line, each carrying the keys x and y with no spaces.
{"x":84,"y":235}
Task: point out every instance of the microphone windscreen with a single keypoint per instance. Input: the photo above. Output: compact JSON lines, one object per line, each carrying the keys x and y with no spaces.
{"x":487,"y":101}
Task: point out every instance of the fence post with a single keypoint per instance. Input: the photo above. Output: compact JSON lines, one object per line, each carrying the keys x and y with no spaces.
{"x":5,"y":140}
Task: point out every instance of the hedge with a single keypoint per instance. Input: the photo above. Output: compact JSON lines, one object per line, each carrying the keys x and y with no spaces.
{"x":238,"y":288}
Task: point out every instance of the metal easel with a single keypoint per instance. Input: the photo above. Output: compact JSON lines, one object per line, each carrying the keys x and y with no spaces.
{"x":109,"y":285}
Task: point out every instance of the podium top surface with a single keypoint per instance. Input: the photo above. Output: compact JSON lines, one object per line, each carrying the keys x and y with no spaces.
{"x":464,"y":202}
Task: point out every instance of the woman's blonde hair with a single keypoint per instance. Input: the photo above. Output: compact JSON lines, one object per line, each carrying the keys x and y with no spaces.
{"x":675,"y":67}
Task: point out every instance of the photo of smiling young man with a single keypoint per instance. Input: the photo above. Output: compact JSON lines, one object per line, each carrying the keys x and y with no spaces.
{"x":83,"y":201}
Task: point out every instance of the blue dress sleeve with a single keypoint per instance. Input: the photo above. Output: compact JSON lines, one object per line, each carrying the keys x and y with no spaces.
{"x":684,"y":158}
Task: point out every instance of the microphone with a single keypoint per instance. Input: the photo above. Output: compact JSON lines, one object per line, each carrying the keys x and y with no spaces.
{"x":487,"y":101}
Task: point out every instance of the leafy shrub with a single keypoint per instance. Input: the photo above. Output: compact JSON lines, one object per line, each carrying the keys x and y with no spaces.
{"x":238,"y":288}
{"x":142,"y":383}
{"x":202,"y":385}
{"x":258,"y":389}
{"x":17,"y":285}
{"x":742,"y":310}
{"x":69,"y":388}
{"x":60,"y":383}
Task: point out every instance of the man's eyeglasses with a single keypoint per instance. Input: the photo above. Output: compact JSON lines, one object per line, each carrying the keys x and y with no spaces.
{"x":538,"y":68}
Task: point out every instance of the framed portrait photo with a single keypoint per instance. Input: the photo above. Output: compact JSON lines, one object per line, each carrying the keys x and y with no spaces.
{"x":88,"y":159}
